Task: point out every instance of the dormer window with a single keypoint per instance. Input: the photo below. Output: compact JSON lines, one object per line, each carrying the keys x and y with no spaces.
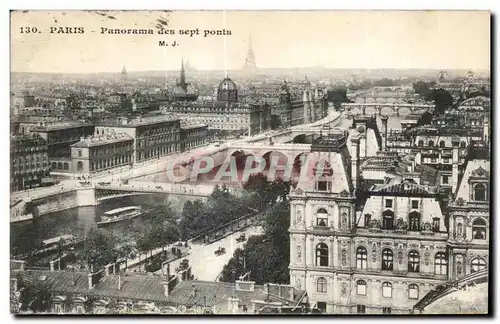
{"x":479,"y":192}
{"x":323,"y":186}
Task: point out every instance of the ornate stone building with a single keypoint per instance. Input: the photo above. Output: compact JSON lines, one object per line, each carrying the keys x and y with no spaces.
{"x":469,"y":218}
{"x":383,"y":254}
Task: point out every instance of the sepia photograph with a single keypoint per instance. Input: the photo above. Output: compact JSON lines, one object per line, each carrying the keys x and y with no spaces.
{"x":286,"y":162}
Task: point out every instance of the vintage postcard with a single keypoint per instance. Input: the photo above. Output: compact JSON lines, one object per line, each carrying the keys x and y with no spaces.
{"x":250,"y":162}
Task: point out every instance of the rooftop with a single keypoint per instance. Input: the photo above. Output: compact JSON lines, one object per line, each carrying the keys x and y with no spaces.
{"x":400,"y":185}
{"x":101,"y":140}
{"x":139,"y":121}
{"x":59,"y":126}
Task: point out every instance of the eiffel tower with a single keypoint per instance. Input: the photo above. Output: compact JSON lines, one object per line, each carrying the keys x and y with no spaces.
{"x":250,"y":65}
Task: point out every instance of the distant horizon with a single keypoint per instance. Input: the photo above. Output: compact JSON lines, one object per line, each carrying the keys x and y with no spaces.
{"x":259,"y":68}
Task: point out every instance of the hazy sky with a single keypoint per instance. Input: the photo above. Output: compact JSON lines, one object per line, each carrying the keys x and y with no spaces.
{"x":333,"y":39}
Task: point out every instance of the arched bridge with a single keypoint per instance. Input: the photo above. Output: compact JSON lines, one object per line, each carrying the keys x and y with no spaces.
{"x":443,"y":290}
{"x":384,"y":109}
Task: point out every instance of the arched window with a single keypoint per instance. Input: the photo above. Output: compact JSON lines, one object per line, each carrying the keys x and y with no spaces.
{"x":414,"y":218}
{"x":477,"y":264}
{"x":321,"y":285}
{"x":59,"y":166}
{"x":53,"y":165}
{"x":440,"y":264}
{"x":462,"y":144}
{"x":322,"y":255}
{"x":388,"y":219}
{"x":442,"y":144}
{"x":361,"y":287}
{"x":431,"y":143}
{"x":480,"y":192}
{"x":413,"y":261}
{"x":479,"y":229}
{"x":79,"y":166}
{"x":420,"y":143}
{"x":387,"y":289}
{"x":413,"y":291}
{"x":66,"y":166}
{"x":321,"y":217}
{"x":361,"y":258}
{"x":387,"y":259}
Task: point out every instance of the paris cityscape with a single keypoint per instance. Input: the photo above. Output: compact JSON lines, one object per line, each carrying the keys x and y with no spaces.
{"x":241,"y":187}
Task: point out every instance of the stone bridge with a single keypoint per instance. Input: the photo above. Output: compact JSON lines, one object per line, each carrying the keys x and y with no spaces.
{"x":292,"y":152}
{"x":384,"y":109}
{"x":117,"y":190}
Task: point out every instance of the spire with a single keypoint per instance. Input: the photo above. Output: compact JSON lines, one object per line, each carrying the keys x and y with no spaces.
{"x":182,"y":81}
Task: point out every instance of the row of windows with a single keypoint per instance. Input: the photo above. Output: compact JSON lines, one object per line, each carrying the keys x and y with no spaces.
{"x":441,"y":143}
{"x":414,"y":218}
{"x":389,"y":203}
{"x":440,"y":259}
{"x":413,"y":290}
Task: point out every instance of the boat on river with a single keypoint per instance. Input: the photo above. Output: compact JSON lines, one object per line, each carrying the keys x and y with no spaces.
{"x":119,"y":215}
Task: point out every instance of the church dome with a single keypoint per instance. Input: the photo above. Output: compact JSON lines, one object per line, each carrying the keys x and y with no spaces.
{"x":227,"y":91}
{"x":227,"y":84}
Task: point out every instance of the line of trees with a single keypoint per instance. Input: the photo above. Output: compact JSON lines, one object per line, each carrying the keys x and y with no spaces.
{"x":442,"y":98}
{"x":266,"y":256}
{"x":103,"y":246}
{"x":223,"y":206}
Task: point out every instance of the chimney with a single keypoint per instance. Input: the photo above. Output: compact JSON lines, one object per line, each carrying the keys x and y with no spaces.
{"x":52,"y":265}
{"x":107,"y":269}
{"x":454,"y":171}
{"x":165,"y":288}
{"x":89,"y":279}
{"x":119,"y":282}
{"x":354,"y":161}
{"x":418,"y":158}
{"x":384,"y":133}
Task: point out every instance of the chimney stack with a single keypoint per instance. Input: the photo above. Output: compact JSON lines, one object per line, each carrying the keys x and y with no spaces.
{"x":165,"y":288}
{"x":354,"y":161}
{"x":52,"y":265}
{"x":384,"y":133}
{"x":454,"y":172}
{"x":89,"y":279}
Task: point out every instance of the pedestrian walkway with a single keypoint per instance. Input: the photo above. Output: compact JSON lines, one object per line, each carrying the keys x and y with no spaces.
{"x":131,"y":263}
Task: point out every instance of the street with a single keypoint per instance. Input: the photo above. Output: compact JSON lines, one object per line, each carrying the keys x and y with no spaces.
{"x":205,"y":264}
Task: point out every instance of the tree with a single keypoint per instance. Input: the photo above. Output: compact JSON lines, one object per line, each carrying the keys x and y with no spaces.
{"x":337,"y":96}
{"x":423,"y":89}
{"x":442,"y":99}
{"x":265,"y":256}
{"x":99,"y":248}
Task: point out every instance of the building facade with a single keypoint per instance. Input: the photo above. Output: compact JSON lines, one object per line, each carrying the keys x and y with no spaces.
{"x":95,"y":154}
{"x":60,"y":136}
{"x":193,"y":135}
{"x":29,"y":161}
{"x":153,"y":137}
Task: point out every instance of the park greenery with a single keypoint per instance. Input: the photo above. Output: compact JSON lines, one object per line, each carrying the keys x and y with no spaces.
{"x":265,"y":257}
{"x":223,"y":206}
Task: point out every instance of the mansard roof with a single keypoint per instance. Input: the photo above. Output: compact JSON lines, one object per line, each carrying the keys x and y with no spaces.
{"x":398,"y":185}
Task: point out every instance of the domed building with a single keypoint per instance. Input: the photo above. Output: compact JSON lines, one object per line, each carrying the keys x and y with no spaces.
{"x":184,"y":91}
{"x":227,"y":91}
